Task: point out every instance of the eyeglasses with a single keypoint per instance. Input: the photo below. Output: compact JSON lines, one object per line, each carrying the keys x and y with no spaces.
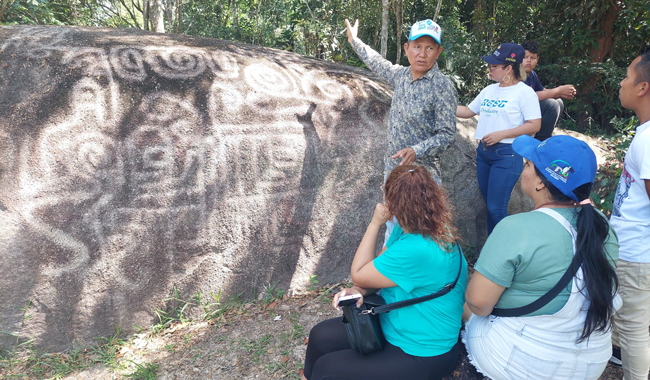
{"x":494,"y":67}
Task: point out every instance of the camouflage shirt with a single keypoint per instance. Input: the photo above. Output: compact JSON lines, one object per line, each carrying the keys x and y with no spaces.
{"x":422,"y":113}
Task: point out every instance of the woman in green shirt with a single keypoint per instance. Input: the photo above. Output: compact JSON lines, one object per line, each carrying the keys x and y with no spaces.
{"x":527,"y":255}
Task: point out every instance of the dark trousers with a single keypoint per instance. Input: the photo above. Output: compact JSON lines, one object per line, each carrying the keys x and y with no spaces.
{"x":551,"y":111}
{"x":329,"y":357}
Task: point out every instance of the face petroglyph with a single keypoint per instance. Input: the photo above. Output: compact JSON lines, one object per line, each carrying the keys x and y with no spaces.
{"x":139,"y":167}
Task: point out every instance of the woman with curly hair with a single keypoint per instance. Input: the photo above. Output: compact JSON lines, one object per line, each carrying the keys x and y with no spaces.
{"x":420,"y":257}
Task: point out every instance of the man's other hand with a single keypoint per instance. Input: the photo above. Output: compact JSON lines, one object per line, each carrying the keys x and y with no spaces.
{"x":567,"y":91}
{"x":407,"y":155}
{"x":352,"y":30}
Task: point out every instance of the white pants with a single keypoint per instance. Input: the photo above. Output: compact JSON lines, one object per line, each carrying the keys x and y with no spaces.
{"x":506,"y":349}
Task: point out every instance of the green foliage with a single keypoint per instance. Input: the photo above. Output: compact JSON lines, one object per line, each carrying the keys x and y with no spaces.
{"x":106,"y":351}
{"x":588,"y":44}
{"x":145,"y":371}
{"x":272,"y":293}
{"x":52,"y":12}
{"x":610,"y":172}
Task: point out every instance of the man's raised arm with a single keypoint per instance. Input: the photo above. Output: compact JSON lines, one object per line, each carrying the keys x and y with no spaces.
{"x":375,"y":62}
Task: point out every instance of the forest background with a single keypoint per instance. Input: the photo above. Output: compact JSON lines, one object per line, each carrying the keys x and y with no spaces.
{"x":587,"y":43}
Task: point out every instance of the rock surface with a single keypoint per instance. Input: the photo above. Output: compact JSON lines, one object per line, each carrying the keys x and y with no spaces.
{"x":137,"y":166}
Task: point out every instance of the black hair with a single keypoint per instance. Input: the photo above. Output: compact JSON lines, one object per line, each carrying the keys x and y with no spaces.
{"x":531,"y":46}
{"x":599,"y":275}
{"x":642,"y":68}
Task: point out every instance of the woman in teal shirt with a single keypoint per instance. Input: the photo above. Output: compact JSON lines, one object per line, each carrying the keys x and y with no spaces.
{"x":419,"y":259}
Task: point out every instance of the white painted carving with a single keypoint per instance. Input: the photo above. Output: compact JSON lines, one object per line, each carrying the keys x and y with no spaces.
{"x":128,"y":63}
{"x":176,"y":63}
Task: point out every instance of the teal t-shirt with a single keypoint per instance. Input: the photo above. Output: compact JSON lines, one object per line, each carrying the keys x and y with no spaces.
{"x":420,"y":267}
{"x":528,"y":253}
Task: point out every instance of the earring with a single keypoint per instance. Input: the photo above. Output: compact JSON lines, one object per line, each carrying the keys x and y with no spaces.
{"x":507,"y":79}
{"x":537,"y":189}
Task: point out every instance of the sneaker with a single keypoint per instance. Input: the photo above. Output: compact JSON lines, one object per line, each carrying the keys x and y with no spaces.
{"x":616,"y":356}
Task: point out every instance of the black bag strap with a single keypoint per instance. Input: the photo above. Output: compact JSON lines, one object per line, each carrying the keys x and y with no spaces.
{"x":541,"y":301}
{"x":546,"y":298}
{"x":399,"y":304}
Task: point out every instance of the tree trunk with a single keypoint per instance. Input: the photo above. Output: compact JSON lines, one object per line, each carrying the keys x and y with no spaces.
{"x":169,"y":14}
{"x":235,"y":18}
{"x":435,"y":16}
{"x":179,"y":9}
{"x":494,"y":23}
{"x":157,"y":20}
{"x":145,"y":14}
{"x":398,"y":10}
{"x":383,"y":38}
{"x":606,"y":38}
{"x":4,"y":8}
{"x":478,"y":19}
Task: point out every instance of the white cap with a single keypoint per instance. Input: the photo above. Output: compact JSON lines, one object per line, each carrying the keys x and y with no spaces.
{"x":425,"y":28}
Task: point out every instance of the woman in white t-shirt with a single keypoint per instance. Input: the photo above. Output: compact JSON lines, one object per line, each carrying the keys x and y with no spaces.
{"x":506,"y":109}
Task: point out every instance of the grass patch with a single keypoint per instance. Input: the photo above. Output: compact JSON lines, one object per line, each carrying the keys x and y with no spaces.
{"x":145,"y":371}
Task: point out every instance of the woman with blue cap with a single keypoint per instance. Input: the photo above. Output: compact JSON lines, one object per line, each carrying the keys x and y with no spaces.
{"x":544,"y":286}
{"x":507,"y":109}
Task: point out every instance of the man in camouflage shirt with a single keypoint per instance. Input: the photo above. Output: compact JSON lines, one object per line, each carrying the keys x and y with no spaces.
{"x":422,"y":119}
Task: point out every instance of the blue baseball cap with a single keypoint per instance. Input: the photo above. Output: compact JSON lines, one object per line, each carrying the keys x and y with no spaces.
{"x":506,"y":53}
{"x":565,"y":161}
{"x":425,"y":28}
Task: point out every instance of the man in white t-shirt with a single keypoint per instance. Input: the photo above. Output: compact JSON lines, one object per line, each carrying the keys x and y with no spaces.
{"x":631,"y":221}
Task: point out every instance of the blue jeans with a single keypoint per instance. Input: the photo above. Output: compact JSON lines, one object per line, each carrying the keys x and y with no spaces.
{"x":497,"y":169}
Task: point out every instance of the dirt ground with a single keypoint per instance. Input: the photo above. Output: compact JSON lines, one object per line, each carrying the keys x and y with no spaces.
{"x":248,"y":340}
{"x":263,"y":340}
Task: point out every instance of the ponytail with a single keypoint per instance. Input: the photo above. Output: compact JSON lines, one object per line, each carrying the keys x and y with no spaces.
{"x":599,"y":275}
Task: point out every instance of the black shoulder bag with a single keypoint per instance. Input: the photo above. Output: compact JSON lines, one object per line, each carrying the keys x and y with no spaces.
{"x":362,"y":324}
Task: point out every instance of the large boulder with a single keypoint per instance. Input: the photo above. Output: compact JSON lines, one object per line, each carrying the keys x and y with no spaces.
{"x":135,"y":166}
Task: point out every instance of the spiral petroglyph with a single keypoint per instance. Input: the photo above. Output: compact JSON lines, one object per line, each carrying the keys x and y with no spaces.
{"x":176,"y":63}
{"x":128,"y":63}
{"x":270,"y":80}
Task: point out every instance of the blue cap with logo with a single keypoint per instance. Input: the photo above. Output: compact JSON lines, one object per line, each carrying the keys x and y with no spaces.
{"x":565,"y":161}
{"x":506,"y":53}
{"x":425,"y":28}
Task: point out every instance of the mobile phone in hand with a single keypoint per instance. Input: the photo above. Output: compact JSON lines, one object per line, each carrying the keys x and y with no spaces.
{"x":349,"y":299}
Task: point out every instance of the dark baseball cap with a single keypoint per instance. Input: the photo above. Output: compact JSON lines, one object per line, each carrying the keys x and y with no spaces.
{"x":506,"y":53}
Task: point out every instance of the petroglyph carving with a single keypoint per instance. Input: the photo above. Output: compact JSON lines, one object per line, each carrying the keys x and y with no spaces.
{"x":93,"y":62}
{"x":176,"y":63}
{"x":128,"y":63}
{"x":224,"y":65}
{"x":154,"y":166}
{"x":39,"y":41}
{"x":270,"y":80}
